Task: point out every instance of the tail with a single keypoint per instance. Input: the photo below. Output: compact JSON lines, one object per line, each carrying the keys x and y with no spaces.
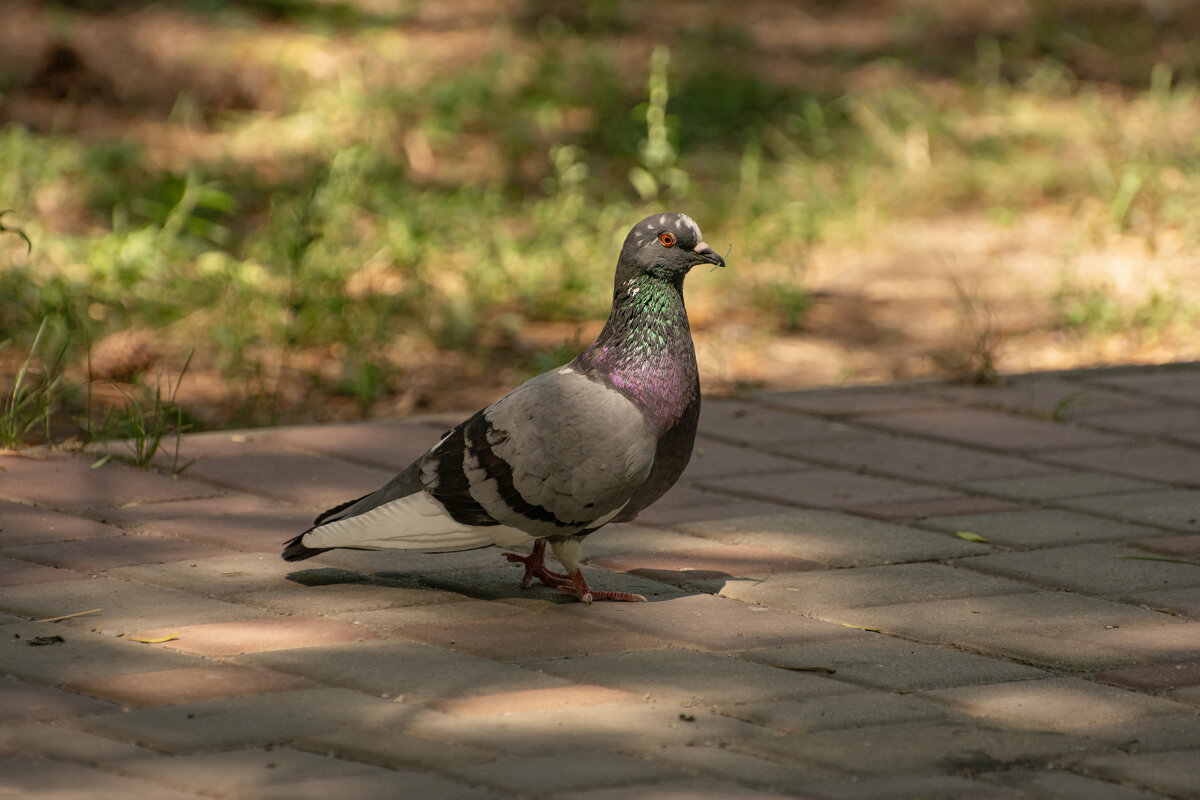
{"x":296,"y":551}
{"x":400,"y":516}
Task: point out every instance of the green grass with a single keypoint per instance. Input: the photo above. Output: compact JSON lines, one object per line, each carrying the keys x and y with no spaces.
{"x":29,"y":406}
{"x":362,"y":221}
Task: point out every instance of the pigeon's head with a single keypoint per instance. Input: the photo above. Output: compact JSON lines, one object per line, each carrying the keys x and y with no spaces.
{"x":669,"y":244}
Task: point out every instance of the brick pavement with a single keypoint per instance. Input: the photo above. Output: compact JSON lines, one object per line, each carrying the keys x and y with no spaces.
{"x":917,"y":590}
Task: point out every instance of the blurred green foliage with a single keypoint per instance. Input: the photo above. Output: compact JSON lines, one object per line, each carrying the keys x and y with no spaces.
{"x":361,"y":214}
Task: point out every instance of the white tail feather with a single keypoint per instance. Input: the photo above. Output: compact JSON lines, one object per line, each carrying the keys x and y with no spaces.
{"x":416,"y":522}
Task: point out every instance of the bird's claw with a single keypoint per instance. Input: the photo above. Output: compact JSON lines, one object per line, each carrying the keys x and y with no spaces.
{"x":535,"y":567}
{"x":574,"y":585}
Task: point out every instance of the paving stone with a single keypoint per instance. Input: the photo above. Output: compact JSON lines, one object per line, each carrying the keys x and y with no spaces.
{"x":533,"y":700}
{"x":628,"y":728}
{"x":630,"y":538}
{"x":417,"y":673}
{"x":214,"y":502}
{"x":274,"y":772}
{"x":947,"y":787}
{"x":63,"y":744}
{"x":1156,"y":734}
{"x":819,"y":594}
{"x":924,"y":747}
{"x":565,"y":772}
{"x":374,"y":787}
{"x":685,"y":503}
{"x":100,"y":554}
{"x":240,"y":722}
{"x":838,"y":540}
{"x":714,"y":623}
{"x":1173,"y":773}
{"x":390,"y":444}
{"x":1106,"y":570}
{"x":241,"y":773}
{"x":1174,"y":601}
{"x":1062,"y":705}
{"x":1165,"y":422}
{"x":465,"y":610}
{"x":531,"y":637}
{"x":747,"y":770}
{"x":1175,"y":508}
{"x":691,"y":678}
{"x":909,"y":458}
{"x":838,"y":711}
{"x":1178,"y":384}
{"x":327,"y":600}
{"x":808,"y":707}
{"x":825,"y":488}
{"x":675,"y":790}
{"x":898,"y":665}
{"x":1188,"y":694}
{"x":1057,"y":784}
{"x":268,"y":582}
{"x":261,"y":527}
{"x":24,"y":524}
{"x":712,"y":459}
{"x":1046,"y":396}
{"x":124,"y":607}
{"x":186,"y":685}
{"x":67,"y":482}
{"x":1057,"y":486}
{"x":1180,"y":546}
{"x":1041,"y":527}
{"x":1054,"y":629}
{"x":852,"y":402}
{"x":993,"y":430}
{"x":755,"y":425}
{"x":920,"y":509}
{"x":502,"y":581}
{"x":225,"y":577}
{"x":704,"y":565}
{"x":1153,"y":677}
{"x":256,"y":635}
{"x":14,"y":572}
{"x":1174,"y":642}
{"x":1167,"y":463}
{"x":392,"y":750}
{"x":311,"y":482}
{"x":80,"y":656}
{"x":28,"y":702}
{"x":36,"y":777}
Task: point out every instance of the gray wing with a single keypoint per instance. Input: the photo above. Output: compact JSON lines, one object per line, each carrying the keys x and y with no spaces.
{"x":558,"y":455}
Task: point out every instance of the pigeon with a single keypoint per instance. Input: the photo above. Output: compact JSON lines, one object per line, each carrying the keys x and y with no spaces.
{"x":591,"y":442}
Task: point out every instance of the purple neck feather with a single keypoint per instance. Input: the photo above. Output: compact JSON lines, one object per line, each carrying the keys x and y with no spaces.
{"x":645,"y":350}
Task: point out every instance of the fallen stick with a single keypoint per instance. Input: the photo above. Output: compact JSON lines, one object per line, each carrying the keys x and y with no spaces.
{"x":69,"y":616}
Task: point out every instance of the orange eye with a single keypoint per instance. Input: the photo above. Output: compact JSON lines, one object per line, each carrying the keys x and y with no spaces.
{"x":666,"y":239}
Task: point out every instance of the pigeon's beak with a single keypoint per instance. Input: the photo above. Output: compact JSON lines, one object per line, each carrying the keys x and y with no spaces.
{"x":706,"y":252}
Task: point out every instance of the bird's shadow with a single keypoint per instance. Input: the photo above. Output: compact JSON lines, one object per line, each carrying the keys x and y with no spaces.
{"x":501,"y":583}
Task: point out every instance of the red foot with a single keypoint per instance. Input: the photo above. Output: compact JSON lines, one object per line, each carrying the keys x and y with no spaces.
{"x":535,"y":567}
{"x":578,"y":588}
{"x":574,"y":585}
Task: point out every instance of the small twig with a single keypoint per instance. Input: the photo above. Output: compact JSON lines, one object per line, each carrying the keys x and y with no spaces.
{"x":69,"y":616}
{"x":822,"y":670}
{"x":5,"y":229}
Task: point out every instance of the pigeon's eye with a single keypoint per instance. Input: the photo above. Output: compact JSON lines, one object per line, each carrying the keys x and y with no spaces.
{"x":666,"y":239}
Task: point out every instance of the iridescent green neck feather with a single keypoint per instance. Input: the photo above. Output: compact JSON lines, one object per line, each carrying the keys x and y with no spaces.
{"x":645,"y":350}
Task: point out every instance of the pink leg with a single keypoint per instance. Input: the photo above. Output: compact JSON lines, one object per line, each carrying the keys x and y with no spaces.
{"x":535,"y":567}
{"x":578,"y":588}
{"x":573,"y":584}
